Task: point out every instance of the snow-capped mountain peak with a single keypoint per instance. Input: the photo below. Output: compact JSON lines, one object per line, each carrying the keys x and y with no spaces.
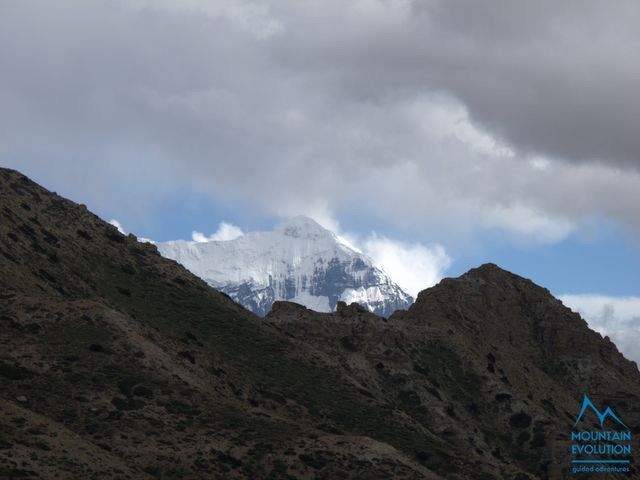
{"x":303,"y":227}
{"x":299,"y":261}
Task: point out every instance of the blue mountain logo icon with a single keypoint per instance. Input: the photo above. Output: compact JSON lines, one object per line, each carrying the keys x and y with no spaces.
{"x":586,"y":403}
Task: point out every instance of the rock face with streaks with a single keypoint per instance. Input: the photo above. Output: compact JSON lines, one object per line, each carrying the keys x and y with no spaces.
{"x":300,"y":262}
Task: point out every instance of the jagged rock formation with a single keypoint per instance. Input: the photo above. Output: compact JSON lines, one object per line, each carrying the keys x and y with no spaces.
{"x":300,"y":261}
{"x":489,"y":362}
{"x":118,"y":363}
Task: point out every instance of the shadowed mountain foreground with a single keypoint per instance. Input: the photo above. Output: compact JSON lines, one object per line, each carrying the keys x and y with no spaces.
{"x":118,"y":363}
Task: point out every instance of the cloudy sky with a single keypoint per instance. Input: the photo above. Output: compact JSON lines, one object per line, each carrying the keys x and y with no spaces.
{"x":434,"y":134}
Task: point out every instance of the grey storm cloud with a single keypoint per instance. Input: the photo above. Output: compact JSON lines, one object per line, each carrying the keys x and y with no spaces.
{"x":550,"y":78}
{"x":615,"y":317}
{"x":466,"y":114}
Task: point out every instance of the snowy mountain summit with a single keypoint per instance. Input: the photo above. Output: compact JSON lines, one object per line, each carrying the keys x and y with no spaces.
{"x":299,"y":261}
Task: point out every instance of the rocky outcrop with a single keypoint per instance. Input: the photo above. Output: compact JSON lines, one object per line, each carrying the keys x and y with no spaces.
{"x":489,"y":362}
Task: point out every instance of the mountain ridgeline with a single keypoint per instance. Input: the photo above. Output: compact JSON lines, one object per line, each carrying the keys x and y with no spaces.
{"x":118,"y":363}
{"x":300,"y":262}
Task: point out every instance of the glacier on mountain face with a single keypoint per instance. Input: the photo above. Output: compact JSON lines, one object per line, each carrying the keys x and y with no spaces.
{"x":299,"y":261}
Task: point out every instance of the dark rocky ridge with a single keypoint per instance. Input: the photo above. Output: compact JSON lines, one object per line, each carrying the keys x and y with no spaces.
{"x":117,"y":363}
{"x":488,"y":361}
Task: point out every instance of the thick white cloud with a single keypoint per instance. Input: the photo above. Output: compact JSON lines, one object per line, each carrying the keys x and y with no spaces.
{"x":121,"y":229}
{"x":226,"y":231}
{"x":433,"y":115}
{"x":412,"y":266}
{"x":616,"y":317}
{"x":118,"y":225}
{"x":528,"y":225}
{"x":252,"y":16}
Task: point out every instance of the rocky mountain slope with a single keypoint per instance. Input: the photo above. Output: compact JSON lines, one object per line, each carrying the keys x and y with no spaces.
{"x":300,"y":261}
{"x":118,"y":363}
{"x":489,"y":362}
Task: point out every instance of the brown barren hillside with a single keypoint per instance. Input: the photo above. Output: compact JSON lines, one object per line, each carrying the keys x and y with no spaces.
{"x":118,"y":363}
